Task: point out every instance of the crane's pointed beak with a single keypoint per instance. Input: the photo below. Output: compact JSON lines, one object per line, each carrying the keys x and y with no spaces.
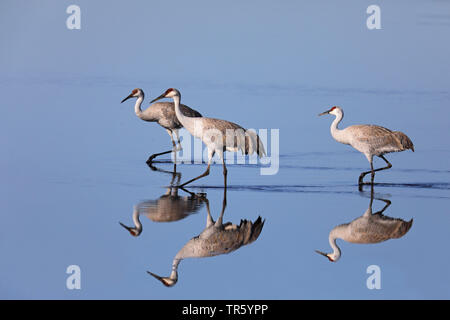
{"x":130,"y":230}
{"x":159,"y":98}
{"x":131,"y":95}
{"x":324,"y":113}
{"x":325,"y":255}
{"x":322,"y":253}
{"x":164,"y":280}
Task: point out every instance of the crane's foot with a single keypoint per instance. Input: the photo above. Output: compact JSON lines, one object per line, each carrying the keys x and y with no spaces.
{"x":153,"y":156}
{"x":360,"y":180}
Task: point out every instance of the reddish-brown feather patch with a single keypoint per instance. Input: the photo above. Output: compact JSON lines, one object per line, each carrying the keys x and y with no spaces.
{"x":169,"y":90}
{"x":333,"y":108}
{"x":134,"y":91}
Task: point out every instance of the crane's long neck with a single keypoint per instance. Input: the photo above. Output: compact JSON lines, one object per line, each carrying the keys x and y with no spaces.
{"x":338,"y":134}
{"x":137,"y":106}
{"x":171,"y":280}
{"x":334,"y":235}
{"x":174,"y":273}
{"x":137,"y":222}
{"x":186,"y":121}
{"x":181,"y":117}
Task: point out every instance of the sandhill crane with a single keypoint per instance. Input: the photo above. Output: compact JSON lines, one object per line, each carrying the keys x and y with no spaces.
{"x":217,"y":238}
{"x":168,"y":208}
{"x":164,"y":114}
{"x":218,"y":135}
{"x":370,"y":140}
{"x":369,"y":228}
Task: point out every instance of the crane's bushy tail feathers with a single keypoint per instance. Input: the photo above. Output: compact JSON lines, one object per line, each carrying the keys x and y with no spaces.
{"x":246,"y":141}
{"x":404,"y":140}
{"x":253,"y":143}
{"x":404,"y":228}
{"x":252,"y":230}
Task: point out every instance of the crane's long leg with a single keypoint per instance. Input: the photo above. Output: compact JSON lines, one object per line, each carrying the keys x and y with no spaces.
{"x":204,"y":174}
{"x":224,"y":205}
{"x":174,"y":146}
{"x":372,"y":197}
{"x":178,"y":148}
{"x":372,"y":192}
{"x":388,"y":203}
{"x":192,"y":194}
{"x":372,"y":171}
{"x":175,"y":174}
{"x":209,"y":219}
{"x":225,"y":171}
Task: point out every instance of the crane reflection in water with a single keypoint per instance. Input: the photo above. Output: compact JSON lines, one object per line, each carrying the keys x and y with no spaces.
{"x":369,"y":228}
{"x":169,"y":207}
{"x":217,"y":238}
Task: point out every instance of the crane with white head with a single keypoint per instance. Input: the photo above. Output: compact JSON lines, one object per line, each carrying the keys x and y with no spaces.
{"x":371,"y":140}
{"x":217,"y":135}
{"x":164,"y":114}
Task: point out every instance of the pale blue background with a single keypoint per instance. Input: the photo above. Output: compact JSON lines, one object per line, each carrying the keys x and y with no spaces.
{"x":73,"y":158}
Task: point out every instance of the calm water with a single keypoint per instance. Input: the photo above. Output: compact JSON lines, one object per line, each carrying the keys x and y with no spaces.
{"x":73,"y":158}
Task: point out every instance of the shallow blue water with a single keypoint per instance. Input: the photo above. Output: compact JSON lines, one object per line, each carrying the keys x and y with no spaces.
{"x":73,"y":158}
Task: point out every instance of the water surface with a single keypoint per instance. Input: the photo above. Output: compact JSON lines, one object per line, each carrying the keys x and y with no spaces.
{"x":73,"y":158}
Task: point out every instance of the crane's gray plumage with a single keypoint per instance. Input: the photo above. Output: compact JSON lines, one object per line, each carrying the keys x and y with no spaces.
{"x":222,"y":239}
{"x":369,"y":228}
{"x":232,"y":136}
{"x":373,"y":228}
{"x":217,"y":238}
{"x":371,"y":140}
{"x":168,"y":208}
{"x":378,"y":140}
{"x":162,"y":113}
{"x":251,"y":144}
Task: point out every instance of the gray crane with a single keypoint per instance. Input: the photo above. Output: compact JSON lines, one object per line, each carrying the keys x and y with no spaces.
{"x":369,"y":228}
{"x":370,"y":140}
{"x":164,"y":114}
{"x":217,"y":238}
{"x":217,"y":135}
{"x":168,"y":208}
